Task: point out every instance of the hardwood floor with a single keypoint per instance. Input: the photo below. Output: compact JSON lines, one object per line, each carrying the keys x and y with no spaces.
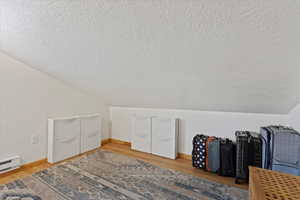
{"x":23,"y":171}
{"x":179,"y":164}
{"x":32,"y":168}
{"x":182,"y":165}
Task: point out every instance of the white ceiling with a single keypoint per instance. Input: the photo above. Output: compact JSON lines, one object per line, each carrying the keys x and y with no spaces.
{"x":214,"y":55}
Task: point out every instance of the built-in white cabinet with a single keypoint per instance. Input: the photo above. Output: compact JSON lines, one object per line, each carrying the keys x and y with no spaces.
{"x":155,"y":135}
{"x":68,"y":137}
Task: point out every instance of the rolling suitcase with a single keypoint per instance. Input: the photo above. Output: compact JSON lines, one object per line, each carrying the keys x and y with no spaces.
{"x":227,"y":158}
{"x":248,"y":153}
{"x":208,"y":141}
{"x":199,"y":151}
{"x":281,"y":149}
{"x":213,"y":163}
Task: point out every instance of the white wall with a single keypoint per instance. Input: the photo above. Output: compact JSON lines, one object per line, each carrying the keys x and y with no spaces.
{"x":192,"y":122}
{"x":294,"y":118}
{"x":27,"y":99}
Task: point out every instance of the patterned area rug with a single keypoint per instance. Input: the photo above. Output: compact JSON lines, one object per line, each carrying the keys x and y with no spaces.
{"x":106,"y":175}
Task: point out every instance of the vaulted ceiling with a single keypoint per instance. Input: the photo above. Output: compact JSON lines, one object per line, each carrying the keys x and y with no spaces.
{"x":213,"y":55}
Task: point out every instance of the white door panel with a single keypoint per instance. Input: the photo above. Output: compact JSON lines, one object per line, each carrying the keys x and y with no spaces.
{"x":90,"y":133}
{"x":66,"y":139}
{"x":164,"y":137}
{"x":141,"y":134}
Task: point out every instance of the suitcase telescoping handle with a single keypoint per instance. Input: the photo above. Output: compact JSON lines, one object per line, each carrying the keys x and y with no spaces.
{"x":244,"y":134}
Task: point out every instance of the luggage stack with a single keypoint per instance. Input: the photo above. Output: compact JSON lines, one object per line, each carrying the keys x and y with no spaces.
{"x":214,"y":155}
{"x":275,"y":148}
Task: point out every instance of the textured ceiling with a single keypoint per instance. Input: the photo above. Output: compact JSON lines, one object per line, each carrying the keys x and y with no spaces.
{"x":214,"y":55}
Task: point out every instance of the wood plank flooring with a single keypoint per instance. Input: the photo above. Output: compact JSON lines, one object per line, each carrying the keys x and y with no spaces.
{"x":179,"y":164}
{"x":22,"y":172}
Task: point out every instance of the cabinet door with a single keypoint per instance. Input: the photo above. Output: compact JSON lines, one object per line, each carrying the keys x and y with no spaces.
{"x":164,"y":137}
{"x":66,"y":139}
{"x":141,"y":134}
{"x":90,"y":133}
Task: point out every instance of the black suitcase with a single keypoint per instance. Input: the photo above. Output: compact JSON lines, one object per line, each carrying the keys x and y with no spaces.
{"x":199,"y":151}
{"x":248,"y":153}
{"x":227,"y":158}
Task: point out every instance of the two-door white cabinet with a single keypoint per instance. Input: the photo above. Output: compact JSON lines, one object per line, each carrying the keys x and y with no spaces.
{"x":155,"y":135}
{"x":68,"y":137}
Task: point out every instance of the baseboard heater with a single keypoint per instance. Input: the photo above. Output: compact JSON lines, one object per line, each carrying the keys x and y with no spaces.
{"x":10,"y":164}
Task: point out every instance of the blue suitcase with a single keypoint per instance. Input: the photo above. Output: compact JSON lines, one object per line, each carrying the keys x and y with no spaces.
{"x":281,"y":149}
{"x":213,"y":156}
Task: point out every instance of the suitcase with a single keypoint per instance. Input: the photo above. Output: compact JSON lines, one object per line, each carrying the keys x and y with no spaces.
{"x":213,"y":153}
{"x":199,"y":151}
{"x":227,"y":158}
{"x":208,"y":141}
{"x":281,"y":149}
{"x":248,"y":153}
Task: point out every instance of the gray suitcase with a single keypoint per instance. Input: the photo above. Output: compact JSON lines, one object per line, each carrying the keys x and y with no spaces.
{"x":281,"y":149}
{"x":214,"y":156}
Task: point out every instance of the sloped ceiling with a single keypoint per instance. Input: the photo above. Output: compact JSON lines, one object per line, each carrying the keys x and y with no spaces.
{"x":213,"y":55}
